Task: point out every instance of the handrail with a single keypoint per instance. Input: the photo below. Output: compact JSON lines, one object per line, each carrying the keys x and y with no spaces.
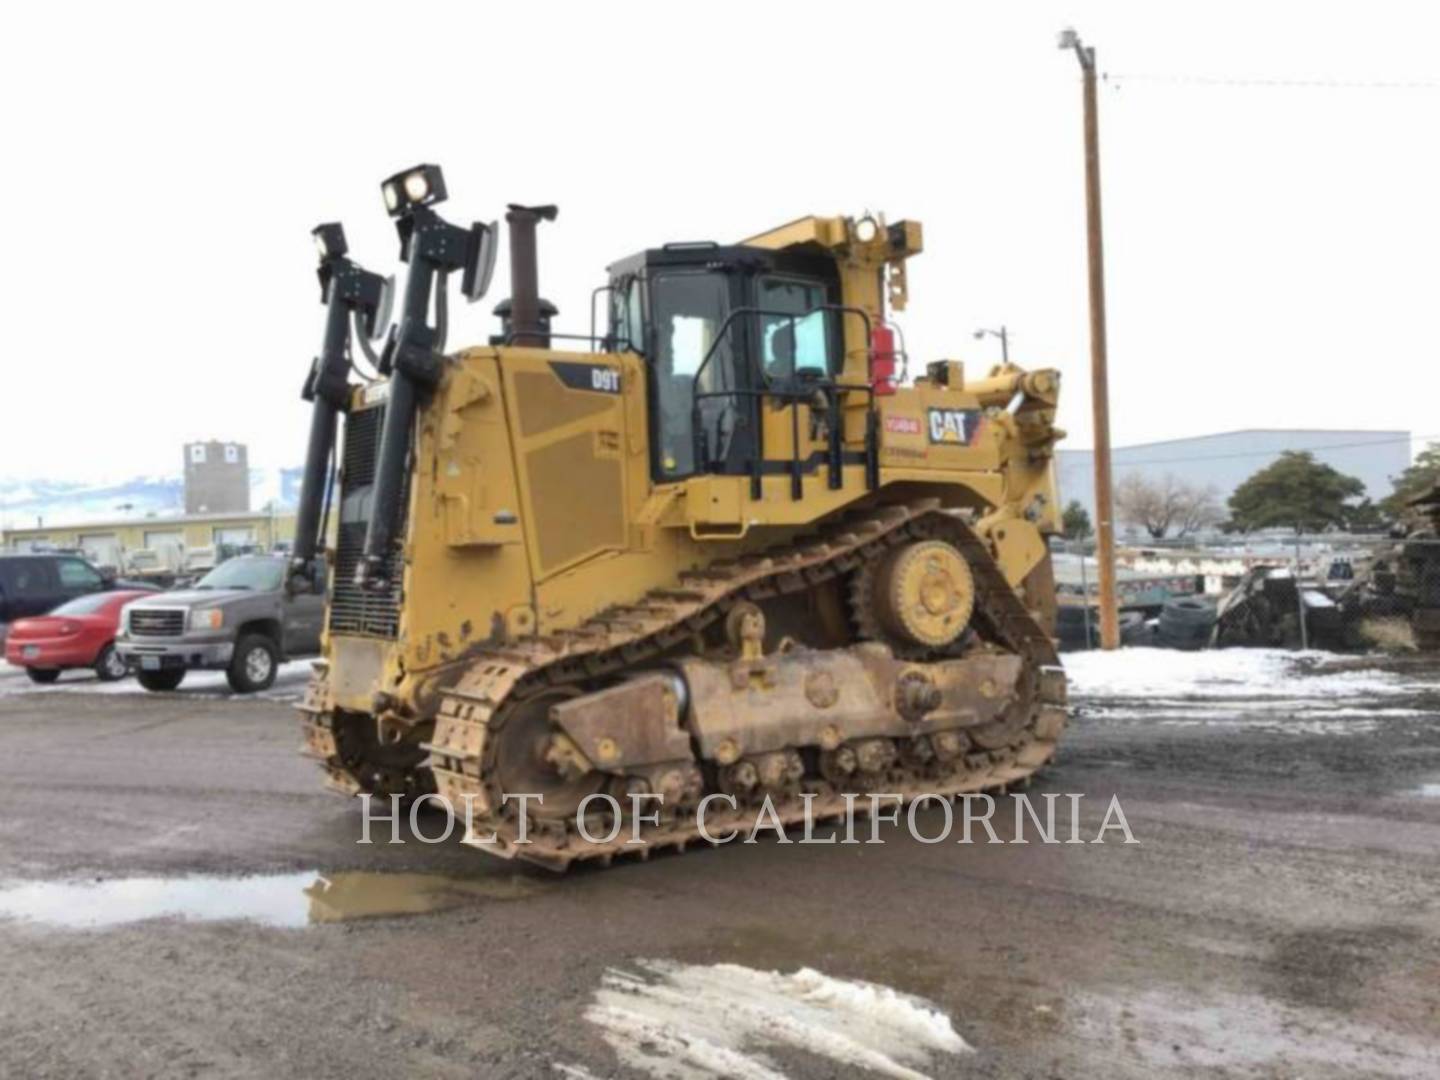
{"x":795,"y":395}
{"x":593,"y":294}
{"x":603,"y":339}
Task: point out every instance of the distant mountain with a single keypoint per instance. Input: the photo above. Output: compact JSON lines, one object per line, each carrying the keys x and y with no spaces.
{"x":26,"y":502}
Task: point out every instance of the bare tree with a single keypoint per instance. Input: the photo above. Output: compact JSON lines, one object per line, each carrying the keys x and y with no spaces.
{"x":1169,"y":503}
{"x":1199,"y":507}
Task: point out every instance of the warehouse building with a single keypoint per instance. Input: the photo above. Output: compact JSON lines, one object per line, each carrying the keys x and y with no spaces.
{"x":108,"y":543}
{"x":1228,"y":459}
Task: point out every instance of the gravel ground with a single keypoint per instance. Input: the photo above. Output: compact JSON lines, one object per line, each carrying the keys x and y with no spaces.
{"x":1278,"y":917}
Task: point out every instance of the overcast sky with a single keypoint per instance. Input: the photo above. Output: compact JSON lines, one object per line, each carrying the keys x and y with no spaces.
{"x":1272,"y":250}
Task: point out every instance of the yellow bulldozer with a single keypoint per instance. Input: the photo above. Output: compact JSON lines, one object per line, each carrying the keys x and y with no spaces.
{"x":719,"y":552}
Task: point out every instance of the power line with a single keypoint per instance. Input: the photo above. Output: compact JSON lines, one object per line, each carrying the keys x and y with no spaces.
{"x":1124,"y":464}
{"x":1115,"y":79}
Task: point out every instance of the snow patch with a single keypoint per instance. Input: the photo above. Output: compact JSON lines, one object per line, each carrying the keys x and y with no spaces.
{"x":269,"y":899}
{"x":1258,"y":675}
{"x":696,"y":1022}
{"x":290,"y":681}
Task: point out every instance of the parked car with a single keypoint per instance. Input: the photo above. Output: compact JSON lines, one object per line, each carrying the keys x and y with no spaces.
{"x":80,"y":633}
{"x":244,"y":617}
{"x":37,"y":584}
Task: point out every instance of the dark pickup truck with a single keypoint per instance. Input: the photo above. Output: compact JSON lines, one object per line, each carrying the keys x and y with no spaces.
{"x":245,"y":618}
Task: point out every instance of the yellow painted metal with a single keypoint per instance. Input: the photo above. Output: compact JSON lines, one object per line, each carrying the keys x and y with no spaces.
{"x":532,"y":505}
{"x":927,"y":594}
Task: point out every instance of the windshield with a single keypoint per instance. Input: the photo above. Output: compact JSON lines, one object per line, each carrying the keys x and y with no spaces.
{"x":255,"y":574}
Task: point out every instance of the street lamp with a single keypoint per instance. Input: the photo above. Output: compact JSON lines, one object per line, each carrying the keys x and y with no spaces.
{"x":1003,"y":334}
{"x":1099,"y":373}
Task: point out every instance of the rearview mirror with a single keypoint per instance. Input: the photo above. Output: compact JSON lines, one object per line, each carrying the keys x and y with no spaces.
{"x":309,"y":578}
{"x":480,"y":263}
{"x":377,"y":319}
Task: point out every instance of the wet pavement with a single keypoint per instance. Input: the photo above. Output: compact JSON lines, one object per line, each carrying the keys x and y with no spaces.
{"x":178,"y":898}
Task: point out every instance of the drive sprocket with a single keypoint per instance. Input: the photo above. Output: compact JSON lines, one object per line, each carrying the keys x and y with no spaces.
{"x":917,"y":598}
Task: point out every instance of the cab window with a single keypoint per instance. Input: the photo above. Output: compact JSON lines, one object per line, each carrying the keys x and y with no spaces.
{"x":634,"y":316}
{"x":74,"y":574}
{"x":627,"y":315}
{"x":30,"y":578}
{"x":794,"y":336}
{"x":689,"y":309}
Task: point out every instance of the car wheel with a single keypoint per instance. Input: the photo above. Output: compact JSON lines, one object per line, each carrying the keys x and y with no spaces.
{"x":109,"y":665}
{"x":161,"y":680}
{"x":43,"y":675}
{"x":254,"y":664}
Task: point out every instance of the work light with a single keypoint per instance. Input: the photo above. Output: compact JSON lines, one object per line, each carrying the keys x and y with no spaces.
{"x":423,"y":185}
{"x":416,"y":186}
{"x":329,"y":240}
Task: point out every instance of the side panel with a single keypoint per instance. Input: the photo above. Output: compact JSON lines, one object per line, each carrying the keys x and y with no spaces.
{"x":567,"y":422}
{"x":467,"y":581}
{"x":927,"y":427}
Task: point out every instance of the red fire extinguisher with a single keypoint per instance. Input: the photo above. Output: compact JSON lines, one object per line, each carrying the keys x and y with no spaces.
{"x":882,"y":359}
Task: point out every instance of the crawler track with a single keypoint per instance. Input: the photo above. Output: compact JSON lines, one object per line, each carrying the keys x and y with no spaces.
{"x":471,"y":720}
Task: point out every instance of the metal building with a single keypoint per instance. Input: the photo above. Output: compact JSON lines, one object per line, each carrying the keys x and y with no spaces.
{"x":1228,"y":459}
{"x":110,"y":543}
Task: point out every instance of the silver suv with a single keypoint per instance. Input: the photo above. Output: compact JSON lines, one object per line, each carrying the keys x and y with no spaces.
{"x":244,"y":617}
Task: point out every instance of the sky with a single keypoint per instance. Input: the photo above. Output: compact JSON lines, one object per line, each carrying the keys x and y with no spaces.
{"x":1271,"y":224}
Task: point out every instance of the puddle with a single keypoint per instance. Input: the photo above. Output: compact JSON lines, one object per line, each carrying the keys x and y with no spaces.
{"x":285,"y":900}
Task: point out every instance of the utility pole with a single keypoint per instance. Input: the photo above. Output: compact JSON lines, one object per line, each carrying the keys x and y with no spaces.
{"x":1099,"y":375}
{"x":1300,"y":598}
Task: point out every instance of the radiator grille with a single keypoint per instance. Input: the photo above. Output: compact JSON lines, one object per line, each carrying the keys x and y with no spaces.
{"x":156,"y":622}
{"x":354,"y":610}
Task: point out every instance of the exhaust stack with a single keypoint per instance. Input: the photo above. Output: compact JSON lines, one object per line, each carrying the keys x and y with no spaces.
{"x":526,"y":316}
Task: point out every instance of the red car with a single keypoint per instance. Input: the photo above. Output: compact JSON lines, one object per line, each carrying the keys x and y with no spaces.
{"x":79,"y":633}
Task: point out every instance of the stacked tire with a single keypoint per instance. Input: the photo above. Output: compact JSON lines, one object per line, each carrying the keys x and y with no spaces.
{"x":1186,"y":622}
{"x":1070,"y":629}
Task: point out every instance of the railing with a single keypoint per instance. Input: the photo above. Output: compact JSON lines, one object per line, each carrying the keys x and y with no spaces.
{"x":795,"y":393}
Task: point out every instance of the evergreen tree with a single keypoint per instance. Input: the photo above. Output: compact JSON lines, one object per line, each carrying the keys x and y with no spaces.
{"x":1297,"y":492}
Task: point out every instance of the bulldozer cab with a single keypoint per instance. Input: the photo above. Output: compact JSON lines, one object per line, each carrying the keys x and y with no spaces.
{"x":724,"y":332}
